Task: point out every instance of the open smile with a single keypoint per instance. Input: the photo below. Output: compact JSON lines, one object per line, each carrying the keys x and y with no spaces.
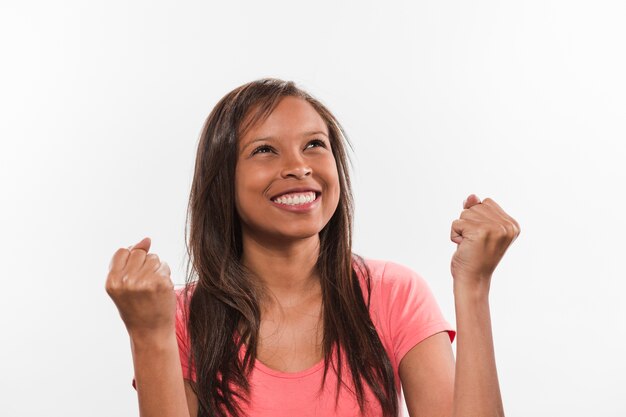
{"x":298,"y":202}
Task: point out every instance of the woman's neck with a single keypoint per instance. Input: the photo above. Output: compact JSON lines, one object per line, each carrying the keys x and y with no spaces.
{"x":286,"y":270}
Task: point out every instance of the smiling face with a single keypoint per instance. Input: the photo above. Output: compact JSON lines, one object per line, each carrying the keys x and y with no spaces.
{"x":288,"y":154}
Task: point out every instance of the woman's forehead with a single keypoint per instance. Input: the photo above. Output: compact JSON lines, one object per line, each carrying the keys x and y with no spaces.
{"x":292,"y":115}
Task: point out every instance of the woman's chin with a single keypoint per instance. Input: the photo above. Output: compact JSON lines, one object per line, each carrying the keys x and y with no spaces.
{"x":290,"y":235}
{"x":299,"y":234}
{"x":287,"y":234}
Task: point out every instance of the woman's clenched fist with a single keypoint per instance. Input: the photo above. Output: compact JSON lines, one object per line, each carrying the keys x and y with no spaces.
{"x":141,"y":288}
{"x":482,"y":233}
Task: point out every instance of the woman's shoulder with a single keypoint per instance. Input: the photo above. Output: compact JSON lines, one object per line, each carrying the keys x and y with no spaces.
{"x":403,"y":308}
{"x":386,"y":272}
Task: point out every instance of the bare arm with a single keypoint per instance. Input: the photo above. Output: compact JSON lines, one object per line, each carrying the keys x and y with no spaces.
{"x":476,"y":387}
{"x":192,"y":400}
{"x":158,"y":376}
{"x":427,"y":375}
{"x":482,"y":234}
{"x":141,"y":288}
{"x":435,"y":387}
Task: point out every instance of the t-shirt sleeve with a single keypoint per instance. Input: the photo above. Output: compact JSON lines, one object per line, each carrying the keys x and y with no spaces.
{"x":181,"y":336}
{"x":412,"y":311}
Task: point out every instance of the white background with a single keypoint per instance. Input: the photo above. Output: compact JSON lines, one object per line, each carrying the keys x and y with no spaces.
{"x":101,"y":105}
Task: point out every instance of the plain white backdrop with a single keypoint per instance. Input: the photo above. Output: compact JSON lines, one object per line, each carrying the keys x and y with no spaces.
{"x":101,"y":106}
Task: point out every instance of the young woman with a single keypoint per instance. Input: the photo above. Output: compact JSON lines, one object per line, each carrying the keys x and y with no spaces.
{"x":279,"y":317}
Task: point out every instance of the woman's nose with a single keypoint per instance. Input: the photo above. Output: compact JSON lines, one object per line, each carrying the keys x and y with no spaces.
{"x":296,"y":167}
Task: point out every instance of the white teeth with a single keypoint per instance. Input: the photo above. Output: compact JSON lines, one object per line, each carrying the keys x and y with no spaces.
{"x":296,"y":199}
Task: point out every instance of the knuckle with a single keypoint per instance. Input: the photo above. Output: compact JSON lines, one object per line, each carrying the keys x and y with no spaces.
{"x":121,"y":250}
{"x":118,"y":254}
{"x":117,"y":257}
{"x":483,"y":232}
{"x":518,"y":229}
{"x":145,"y":285}
{"x":110,"y":287}
{"x":152,"y":260}
{"x":152,"y":256}
{"x":501,"y":233}
{"x":165,"y":284}
{"x":112,"y":278}
{"x":133,"y":281}
{"x":164,"y":270}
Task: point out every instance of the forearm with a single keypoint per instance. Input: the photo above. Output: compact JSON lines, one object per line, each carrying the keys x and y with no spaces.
{"x":476,"y":387}
{"x":158,"y":376}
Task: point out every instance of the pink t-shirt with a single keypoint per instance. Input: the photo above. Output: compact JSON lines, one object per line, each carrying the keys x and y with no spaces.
{"x":404,"y":313}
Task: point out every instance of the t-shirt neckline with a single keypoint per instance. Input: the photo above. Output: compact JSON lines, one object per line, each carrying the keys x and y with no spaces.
{"x":276,"y":373}
{"x":290,"y":375}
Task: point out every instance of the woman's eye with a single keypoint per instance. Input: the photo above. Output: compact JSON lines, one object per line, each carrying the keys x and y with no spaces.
{"x":317,"y":142}
{"x":268,"y":149}
{"x":262,"y":149}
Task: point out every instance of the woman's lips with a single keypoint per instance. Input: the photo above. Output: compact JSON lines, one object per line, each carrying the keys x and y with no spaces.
{"x":299,"y":208}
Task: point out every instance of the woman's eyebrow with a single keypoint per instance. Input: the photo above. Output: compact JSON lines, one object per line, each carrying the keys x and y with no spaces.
{"x":315,"y":132}
{"x":267,"y":138}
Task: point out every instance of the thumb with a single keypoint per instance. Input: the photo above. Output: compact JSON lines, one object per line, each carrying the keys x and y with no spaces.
{"x":143,"y":244}
{"x":470,"y":201}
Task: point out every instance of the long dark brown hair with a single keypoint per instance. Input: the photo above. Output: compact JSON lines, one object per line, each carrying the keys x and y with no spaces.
{"x":225,"y":298}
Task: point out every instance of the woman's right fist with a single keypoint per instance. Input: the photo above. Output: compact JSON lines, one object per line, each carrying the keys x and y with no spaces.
{"x":141,"y":288}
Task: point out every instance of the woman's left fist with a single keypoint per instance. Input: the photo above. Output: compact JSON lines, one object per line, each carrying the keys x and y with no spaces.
{"x":483,"y":233}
